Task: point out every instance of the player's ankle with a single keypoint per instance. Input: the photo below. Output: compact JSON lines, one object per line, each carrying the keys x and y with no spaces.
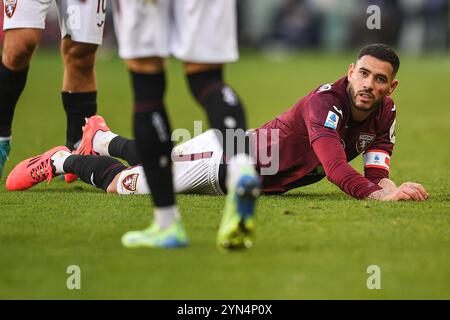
{"x":58,"y":160}
{"x":237,"y":165}
{"x":101,"y":141}
{"x":166,"y":216}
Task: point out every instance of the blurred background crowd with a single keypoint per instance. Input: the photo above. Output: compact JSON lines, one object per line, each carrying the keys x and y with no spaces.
{"x":414,"y":26}
{"x":410,"y":25}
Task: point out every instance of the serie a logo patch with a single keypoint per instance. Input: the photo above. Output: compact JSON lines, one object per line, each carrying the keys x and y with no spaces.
{"x":332,"y":120}
{"x":10,"y":7}
{"x":130,"y":182}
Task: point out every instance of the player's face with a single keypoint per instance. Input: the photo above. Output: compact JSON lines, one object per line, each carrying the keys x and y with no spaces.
{"x":370,"y":80}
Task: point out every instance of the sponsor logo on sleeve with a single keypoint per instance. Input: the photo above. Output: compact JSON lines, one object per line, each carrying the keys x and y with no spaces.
{"x":10,"y":7}
{"x":364,"y":140}
{"x":130,"y":182}
{"x":332,"y":120}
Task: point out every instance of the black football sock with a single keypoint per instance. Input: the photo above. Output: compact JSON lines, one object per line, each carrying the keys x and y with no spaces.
{"x":78,"y":105}
{"x":152,"y":134}
{"x":125,"y":149}
{"x":11,"y":87}
{"x":98,"y":171}
{"x":223,"y":106}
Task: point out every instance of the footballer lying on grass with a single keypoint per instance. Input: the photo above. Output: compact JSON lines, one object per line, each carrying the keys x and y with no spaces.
{"x":316,"y":137}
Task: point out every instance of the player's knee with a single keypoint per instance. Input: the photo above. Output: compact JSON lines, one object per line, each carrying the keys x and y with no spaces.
{"x":222,"y":104}
{"x":17,"y":53}
{"x":145,"y":65}
{"x":79,"y":57}
{"x":112,"y":187}
{"x":204,"y":82}
{"x":191,"y":67}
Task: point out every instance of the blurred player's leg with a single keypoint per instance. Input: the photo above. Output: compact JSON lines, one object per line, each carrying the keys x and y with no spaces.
{"x":221,"y":103}
{"x":154,"y":145}
{"x":141,"y":29}
{"x":225,"y":113}
{"x":206,"y":46}
{"x":18,"y":48}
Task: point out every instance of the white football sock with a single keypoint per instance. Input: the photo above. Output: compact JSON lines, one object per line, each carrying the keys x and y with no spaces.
{"x":236,"y":165}
{"x":5,"y":138}
{"x":58,"y":161}
{"x":165,"y":216}
{"x":101,"y":140}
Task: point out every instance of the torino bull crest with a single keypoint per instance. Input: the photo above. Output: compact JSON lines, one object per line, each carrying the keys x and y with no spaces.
{"x":365,"y":140}
{"x":10,"y":7}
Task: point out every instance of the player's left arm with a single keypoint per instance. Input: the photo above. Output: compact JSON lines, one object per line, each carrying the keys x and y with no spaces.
{"x":377,"y":158}
{"x":377,"y":161}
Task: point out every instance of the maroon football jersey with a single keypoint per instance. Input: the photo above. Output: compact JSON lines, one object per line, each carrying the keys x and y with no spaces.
{"x":325,"y":112}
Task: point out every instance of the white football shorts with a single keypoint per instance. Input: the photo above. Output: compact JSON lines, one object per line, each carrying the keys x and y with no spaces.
{"x":200,"y":31}
{"x":83,"y":21}
{"x":195,"y":168}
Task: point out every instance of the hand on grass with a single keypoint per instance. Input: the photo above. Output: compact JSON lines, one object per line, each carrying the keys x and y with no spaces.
{"x":406,"y":191}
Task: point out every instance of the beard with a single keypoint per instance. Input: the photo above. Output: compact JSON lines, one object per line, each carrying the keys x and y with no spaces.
{"x":353,"y":95}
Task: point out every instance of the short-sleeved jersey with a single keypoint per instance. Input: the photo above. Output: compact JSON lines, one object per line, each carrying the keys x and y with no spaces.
{"x":326,"y":111}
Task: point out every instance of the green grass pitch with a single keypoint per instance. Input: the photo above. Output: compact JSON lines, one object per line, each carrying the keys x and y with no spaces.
{"x":314,"y":242}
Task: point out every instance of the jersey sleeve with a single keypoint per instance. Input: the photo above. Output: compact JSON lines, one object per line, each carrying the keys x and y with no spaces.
{"x":377,"y":158}
{"x":334,"y":161}
{"x":323,"y":119}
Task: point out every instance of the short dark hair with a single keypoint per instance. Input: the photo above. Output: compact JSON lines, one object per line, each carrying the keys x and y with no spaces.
{"x":382,"y":52}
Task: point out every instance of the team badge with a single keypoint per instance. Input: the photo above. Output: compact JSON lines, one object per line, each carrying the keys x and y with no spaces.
{"x":130,"y":182}
{"x":10,"y":7}
{"x":332,"y":120}
{"x":365,"y":139}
